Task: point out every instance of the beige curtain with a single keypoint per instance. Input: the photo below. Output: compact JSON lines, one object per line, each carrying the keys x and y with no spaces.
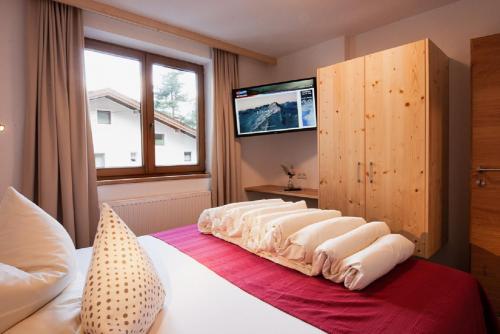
{"x":59,"y":172}
{"x":226,"y":156}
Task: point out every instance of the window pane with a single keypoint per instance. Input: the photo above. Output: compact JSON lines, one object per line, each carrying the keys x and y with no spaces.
{"x":159,"y":139}
{"x":114,"y":93}
{"x":100,"y":160}
{"x":176,"y":116}
{"x":103,"y":117}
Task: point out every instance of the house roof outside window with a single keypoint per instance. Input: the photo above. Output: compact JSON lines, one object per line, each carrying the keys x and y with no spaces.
{"x":135,"y":106}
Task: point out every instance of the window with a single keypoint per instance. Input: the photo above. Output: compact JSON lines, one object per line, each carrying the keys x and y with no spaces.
{"x":157,"y":105}
{"x":159,"y":139}
{"x":100,"y":160}
{"x":103,"y":117}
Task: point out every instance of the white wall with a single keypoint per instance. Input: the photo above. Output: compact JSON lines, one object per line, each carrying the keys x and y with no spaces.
{"x":262,"y":155}
{"x":12,"y":91}
{"x":451,"y":27}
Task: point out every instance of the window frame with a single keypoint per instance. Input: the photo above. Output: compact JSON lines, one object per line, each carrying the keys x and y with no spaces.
{"x":152,"y":59}
{"x":147,"y":61}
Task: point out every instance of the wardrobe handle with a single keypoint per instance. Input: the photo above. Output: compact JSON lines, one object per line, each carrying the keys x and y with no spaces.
{"x":370,"y":174}
{"x":359,"y":172}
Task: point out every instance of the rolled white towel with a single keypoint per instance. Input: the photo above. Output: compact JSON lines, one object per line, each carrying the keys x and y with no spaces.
{"x":232,"y":217}
{"x":301,"y":245}
{"x":253,"y":234}
{"x":278,"y":230}
{"x":248,"y":218}
{"x":328,"y":256}
{"x":376,"y":260}
{"x":208,"y":216}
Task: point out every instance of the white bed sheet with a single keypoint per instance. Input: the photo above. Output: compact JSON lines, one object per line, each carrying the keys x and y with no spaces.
{"x":197,"y":300}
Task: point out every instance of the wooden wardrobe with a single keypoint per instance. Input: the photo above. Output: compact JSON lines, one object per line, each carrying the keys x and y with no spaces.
{"x":383,"y":140}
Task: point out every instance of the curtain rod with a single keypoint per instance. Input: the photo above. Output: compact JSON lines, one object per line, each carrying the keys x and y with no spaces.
{"x":127,"y":16}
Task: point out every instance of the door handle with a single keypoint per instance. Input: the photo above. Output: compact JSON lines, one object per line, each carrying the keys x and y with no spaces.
{"x":370,"y":173}
{"x":481,"y":180}
{"x":484,"y":170}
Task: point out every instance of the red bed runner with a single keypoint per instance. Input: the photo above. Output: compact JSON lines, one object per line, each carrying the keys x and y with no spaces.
{"x":416,"y":297}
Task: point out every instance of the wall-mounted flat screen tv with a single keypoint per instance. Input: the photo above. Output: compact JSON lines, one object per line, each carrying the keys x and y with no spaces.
{"x":275,"y":108}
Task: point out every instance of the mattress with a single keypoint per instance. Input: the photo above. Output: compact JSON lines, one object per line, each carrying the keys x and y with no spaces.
{"x":205,"y":280}
{"x":200,"y":301}
{"x":417,"y":296}
{"x":197,"y":301}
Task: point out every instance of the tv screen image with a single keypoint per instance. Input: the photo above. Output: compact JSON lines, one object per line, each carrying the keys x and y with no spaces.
{"x":274,"y":108}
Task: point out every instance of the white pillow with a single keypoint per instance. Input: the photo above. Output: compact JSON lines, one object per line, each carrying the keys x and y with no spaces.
{"x":37,"y":258}
{"x":61,"y":315}
{"x":123,"y":292}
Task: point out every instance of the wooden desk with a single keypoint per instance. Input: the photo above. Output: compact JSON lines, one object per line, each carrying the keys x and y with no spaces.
{"x":279,"y":190}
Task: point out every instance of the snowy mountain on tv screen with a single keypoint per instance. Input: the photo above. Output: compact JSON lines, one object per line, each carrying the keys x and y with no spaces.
{"x":269,"y":117}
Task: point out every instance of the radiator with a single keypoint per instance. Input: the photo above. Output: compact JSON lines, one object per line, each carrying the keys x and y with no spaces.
{"x":153,"y":214}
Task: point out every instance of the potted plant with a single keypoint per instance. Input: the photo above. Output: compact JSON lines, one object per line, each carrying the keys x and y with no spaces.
{"x":290,"y":172}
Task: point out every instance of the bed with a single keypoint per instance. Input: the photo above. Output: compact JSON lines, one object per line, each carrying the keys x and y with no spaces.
{"x":200,"y":301}
{"x":213,"y":286}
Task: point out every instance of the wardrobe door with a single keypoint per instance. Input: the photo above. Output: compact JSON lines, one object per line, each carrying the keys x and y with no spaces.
{"x":395,"y":98}
{"x":341,"y":137}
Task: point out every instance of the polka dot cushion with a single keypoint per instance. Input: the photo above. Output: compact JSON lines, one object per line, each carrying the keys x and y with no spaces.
{"x":123,"y":293}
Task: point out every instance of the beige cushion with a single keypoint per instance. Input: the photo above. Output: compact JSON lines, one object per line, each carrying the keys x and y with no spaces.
{"x":123,"y":292}
{"x":37,"y":258}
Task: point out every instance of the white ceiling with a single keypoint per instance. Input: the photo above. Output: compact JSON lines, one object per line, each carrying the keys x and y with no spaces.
{"x":278,"y":27}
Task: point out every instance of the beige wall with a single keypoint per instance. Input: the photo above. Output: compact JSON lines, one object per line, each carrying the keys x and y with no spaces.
{"x":262,"y":155}
{"x":12,"y":89}
{"x":451,"y":27}
{"x":146,"y":189}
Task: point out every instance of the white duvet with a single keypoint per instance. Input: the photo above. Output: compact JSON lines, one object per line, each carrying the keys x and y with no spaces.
{"x":208,"y":216}
{"x":343,"y":249}
{"x":300,"y":246}
{"x":328,"y":256}
{"x":197,"y":301}
{"x":254,"y":233}
{"x":229,"y":224}
{"x":376,"y":260}
{"x":278,"y":230}
{"x":249,"y":218}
